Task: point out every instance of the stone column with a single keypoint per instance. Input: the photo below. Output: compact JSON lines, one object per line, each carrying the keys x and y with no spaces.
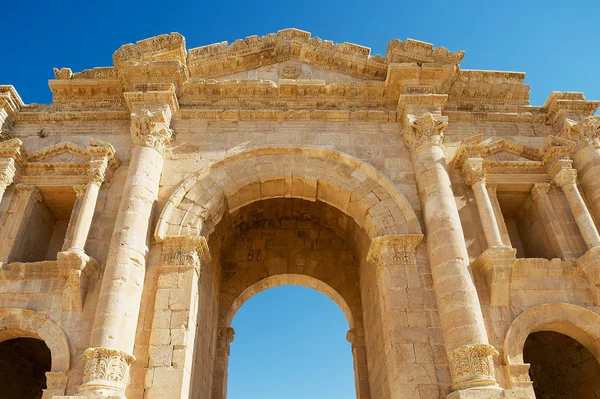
{"x":465,"y":337}
{"x":85,"y":212}
{"x":113,"y":333}
{"x":356,"y":337}
{"x":474,"y":177}
{"x":586,"y":157}
{"x":224,"y":340}
{"x":566,"y":178}
{"x":492,"y":190}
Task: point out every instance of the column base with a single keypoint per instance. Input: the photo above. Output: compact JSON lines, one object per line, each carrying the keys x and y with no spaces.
{"x":477,"y":393}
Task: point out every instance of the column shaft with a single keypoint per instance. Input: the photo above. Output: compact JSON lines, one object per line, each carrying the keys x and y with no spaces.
{"x":84,"y":217}
{"x":119,"y":301}
{"x":486,"y":214}
{"x":581,"y":214}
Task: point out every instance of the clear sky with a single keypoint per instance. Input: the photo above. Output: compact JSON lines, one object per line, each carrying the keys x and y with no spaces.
{"x":290,"y":342}
{"x":555,"y":42}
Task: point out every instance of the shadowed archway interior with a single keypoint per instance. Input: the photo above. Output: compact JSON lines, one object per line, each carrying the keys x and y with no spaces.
{"x":561,"y":367}
{"x":23,"y":366}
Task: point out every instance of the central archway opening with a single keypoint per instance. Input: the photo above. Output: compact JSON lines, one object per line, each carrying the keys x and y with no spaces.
{"x":23,"y":366}
{"x":561,"y":367}
{"x":290,"y":342}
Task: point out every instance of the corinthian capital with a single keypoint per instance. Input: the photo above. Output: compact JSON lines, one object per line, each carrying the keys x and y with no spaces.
{"x":427,"y":129}
{"x":585,"y":132}
{"x":472,"y":171}
{"x":150,"y":130}
{"x":472,"y":366}
{"x":106,"y":370}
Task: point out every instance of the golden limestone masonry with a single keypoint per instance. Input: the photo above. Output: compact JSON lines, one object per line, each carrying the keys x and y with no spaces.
{"x":453,"y":223}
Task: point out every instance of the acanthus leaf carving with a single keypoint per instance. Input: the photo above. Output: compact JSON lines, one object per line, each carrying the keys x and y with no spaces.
{"x":105,"y":369}
{"x":472,"y":365}
{"x":150,"y":130}
{"x":426,"y":129}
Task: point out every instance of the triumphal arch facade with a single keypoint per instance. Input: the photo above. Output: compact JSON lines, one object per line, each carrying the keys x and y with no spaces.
{"x":453,"y":223}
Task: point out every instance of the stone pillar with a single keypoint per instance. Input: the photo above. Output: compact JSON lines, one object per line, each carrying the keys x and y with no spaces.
{"x":492,"y":190}
{"x":402,"y":313}
{"x":85,"y":212}
{"x":224,"y":340}
{"x":474,"y":177}
{"x":171,"y":345}
{"x":356,"y":337}
{"x":113,"y":333}
{"x":465,"y":336}
{"x":586,"y":157}
{"x":566,"y":178}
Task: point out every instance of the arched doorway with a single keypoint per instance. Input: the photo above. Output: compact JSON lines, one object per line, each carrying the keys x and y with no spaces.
{"x":23,"y":366}
{"x":270,"y":212}
{"x":296,"y":336}
{"x":561,"y":367}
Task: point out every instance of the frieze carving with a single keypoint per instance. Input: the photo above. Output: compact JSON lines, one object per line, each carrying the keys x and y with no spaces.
{"x":225,"y":338}
{"x":427,"y":129}
{"x":105,"y":369}
{"x":472,"y":365}
{"x":150,"y":130}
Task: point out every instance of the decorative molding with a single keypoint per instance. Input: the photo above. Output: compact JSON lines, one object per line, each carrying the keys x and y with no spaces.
{"x":427,"y":129}
{"x":225,"y":338}
{"x":185,"y":251}
{"x":356,"y":337}
{"x":394,"y":250}
{"x":150,"y":130}
{"x":472,"y":366}
{"x":105,"y":370}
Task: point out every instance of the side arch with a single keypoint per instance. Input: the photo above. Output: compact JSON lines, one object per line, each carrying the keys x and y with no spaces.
{"x":314,"y":174}
{"x":290,"y":279}
{"x":576,"y":322}
{"x":24,"y":323}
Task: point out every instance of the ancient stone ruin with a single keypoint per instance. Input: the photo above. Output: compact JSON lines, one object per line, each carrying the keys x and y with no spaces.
{"x":453,"y":223}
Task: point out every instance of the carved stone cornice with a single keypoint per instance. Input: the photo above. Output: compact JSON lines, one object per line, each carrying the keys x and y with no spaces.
{"x":106,"y":370}
{"x":225,"y":338}
{"x":567,"y":105}
{"x":426,"y":129}
{"x":394,"y":250}
{"x":472,"y":366}
{"x":150,"y":130}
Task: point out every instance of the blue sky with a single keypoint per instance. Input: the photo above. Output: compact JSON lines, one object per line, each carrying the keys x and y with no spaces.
{"x":555,"y":42}
{"x":290,"y":342}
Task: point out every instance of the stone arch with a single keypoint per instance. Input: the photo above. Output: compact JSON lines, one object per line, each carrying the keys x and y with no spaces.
{"x":314,"y":174}
{"x":290,"y":279}
{"x":24,"y":323}
{"x":579,"y":323}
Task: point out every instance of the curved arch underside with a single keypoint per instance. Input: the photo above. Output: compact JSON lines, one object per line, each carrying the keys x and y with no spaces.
{"x":313,"y":174}
{"x":576,"y":322}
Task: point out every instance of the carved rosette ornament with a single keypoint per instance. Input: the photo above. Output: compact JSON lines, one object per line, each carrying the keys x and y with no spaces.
{"x":150,"y":130}
{"x":427,"y":129}
{"x":472,"y":366}
{"x":226,"y":337}
{"x":106,"y":370}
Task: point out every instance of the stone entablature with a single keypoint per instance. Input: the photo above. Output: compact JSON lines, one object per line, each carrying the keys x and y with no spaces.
{"x":434,"y":205}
